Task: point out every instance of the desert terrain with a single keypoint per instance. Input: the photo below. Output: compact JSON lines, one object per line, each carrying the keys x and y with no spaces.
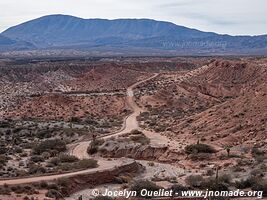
{"x":181,"y":123}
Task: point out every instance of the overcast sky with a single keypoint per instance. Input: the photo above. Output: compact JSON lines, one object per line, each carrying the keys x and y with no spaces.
{"x":236,"y":17}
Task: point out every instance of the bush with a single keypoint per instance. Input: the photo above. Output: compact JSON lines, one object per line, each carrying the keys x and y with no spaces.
{"x":215,"y":185}
{"x":199,"y":148}
{"x":43,"y":184}
{"x":87,"y":163}
{"x":260,"y":185}
{"x":3,"y":160}
{"x":194,"y":180}
{"x":65,"y":158}
{"x":3,"y":150}
{"x":37,"y":159}
{"x":48,"y":145}
{"x":243,"y":184}
{"x":52,"y":193}
{"x":256,"y":152}
{"x":64,"y":182}
{"x":144,"y":184}
{"x":93,"y":147}
{"x":140,"y":139}
{"x":36,"y":169}
{"x":178,"y":188}
{"x":136,"y":132}
{"x":54,"y":161}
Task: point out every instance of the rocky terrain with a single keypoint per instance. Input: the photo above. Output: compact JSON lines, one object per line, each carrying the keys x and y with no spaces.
{"x":68,"y":126}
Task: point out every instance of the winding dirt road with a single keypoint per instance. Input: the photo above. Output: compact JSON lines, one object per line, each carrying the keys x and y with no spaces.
{"x":130,"y":123}
{"x":80,"y":150}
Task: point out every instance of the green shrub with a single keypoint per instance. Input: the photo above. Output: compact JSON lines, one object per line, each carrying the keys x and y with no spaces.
{"x":87,"y":163}
{"x":48,"y":145}
{"x":93,"y":147}
{"x":194,"y":180}
{"x":65,"y":158}
{"x":3,"y":160}
{"x":54,"y":161}
{"x":140,"y":139}
{"x":256,"y":152}
{"x":36,"y":159}
{"x":54,"y":194}
{"x":36,"y":169}
{"x":136,"y":132}
{"x":244,"y":183}
{"x":178,"y":188}
{"x":260,"y":185}
{"x":144,"y":184}
{"x":215,"y":185}
{"x":64,"y":182}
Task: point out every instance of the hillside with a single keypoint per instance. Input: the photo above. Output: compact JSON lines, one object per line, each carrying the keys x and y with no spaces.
{"x":10,"y":44}
{"x":225,"y":104}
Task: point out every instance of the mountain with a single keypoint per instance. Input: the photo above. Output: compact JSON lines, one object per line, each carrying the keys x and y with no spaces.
{"x":61,"y":31}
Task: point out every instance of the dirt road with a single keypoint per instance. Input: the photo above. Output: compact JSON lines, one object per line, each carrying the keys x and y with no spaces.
{"x":80,"y":150}
{"x":130,"y":122}
{"x":103,"y":165}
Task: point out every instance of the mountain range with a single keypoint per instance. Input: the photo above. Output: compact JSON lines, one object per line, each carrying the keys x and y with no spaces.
{"x":124,"y":35}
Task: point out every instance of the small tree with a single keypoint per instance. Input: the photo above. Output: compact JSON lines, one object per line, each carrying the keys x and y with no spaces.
{"x":228,"y":149}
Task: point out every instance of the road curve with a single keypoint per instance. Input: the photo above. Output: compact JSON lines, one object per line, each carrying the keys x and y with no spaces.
{"x":130,"y":122}
{"x":80,"y":150}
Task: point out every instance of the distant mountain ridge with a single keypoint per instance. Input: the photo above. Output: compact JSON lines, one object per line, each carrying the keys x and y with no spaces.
{"x":61,"y":31}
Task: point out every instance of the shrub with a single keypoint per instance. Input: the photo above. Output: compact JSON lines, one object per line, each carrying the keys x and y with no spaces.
{"x":48,"y":145}
{"x":194,"y":180}
{"x":93,"y":147}
{"x":52,"y":193}
{"x":87,"y":163}
{"x":260,"y":185}
{"x":3,"y":150}
{"x":144,"y":184}
{"x":215,"y":185}
{"x":178,"y":188}
{"x":199,"y":148}
{"x":243,"y":184}
{"x":3,"y":160}
{"x":140,"y":139}
{"x":36,"y":169}
{"x":63,"y":182}
{"x":46,"y":155}
{"x":65,"y":158}
{"x":37,"y":159}
{"x":256,"y":152}
{"x":54,"y":161}
{"x":43,"y":184}
{"x":136,"y":132}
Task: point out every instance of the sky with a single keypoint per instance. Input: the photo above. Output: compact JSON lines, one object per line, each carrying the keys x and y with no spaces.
{"x":235,"y":17}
